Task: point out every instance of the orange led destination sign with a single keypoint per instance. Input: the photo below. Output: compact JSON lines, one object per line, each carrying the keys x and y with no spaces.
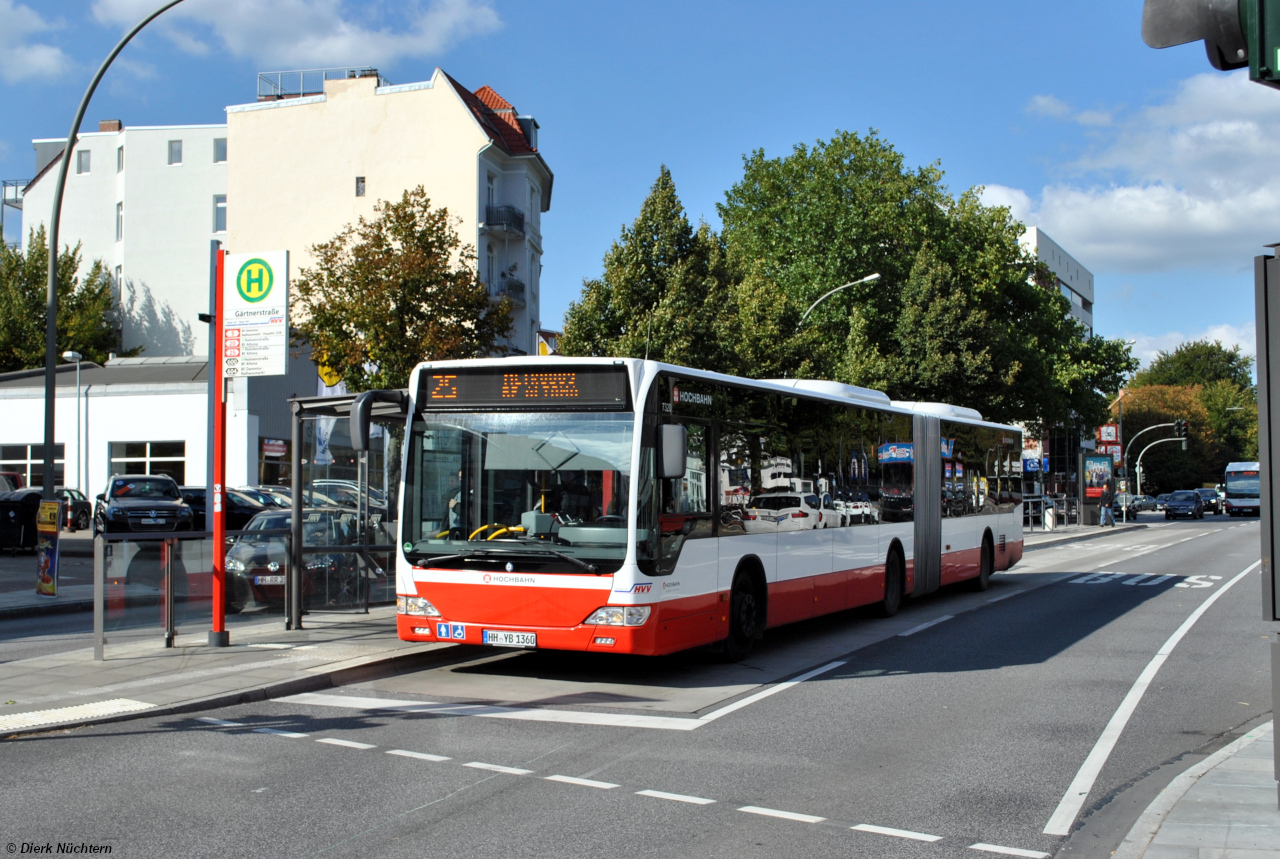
{"x":585,"y":387}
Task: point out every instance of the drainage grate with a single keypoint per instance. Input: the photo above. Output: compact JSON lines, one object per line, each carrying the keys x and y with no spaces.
{"x":96,"y":710}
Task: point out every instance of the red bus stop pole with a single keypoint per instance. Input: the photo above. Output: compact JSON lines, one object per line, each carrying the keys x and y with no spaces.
{"x":219,"y":637}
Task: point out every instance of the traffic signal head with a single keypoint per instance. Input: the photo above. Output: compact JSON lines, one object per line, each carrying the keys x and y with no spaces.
{"x":1236,"y":33}
{"x":1180,"y":428}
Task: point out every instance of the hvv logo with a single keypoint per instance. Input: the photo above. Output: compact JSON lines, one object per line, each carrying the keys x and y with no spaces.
{"x":634,"y":589}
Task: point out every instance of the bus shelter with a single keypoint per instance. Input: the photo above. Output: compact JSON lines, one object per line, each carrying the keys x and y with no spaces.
{"x":345,"y":503}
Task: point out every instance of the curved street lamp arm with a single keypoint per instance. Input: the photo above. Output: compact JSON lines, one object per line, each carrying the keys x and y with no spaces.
{"x":1138,"y":465}
{"x":869,"y":278}
{"x":1125,"y":457}
{"x":51,"y":296}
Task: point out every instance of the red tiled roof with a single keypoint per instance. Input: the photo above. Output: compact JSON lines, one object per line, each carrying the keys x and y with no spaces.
{"x":496,"y":116}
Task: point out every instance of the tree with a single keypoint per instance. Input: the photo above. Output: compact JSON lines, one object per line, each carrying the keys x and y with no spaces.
{"x":961,"y":313}
{"x":388,"y":293}
{"x":1167,"y":467}
{"x":663,"y":292}
{"x":88,"y":315}
{"x":1199,"y":362}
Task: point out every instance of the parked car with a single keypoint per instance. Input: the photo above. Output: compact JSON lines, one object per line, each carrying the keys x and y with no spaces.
{"x":141,"y":503}
{"x":782,"y":511}
{"x":1212,"y":503}
{"x":10,"y":481}
{"x":79,"y":510}
{"x":266,"y":499}
{"x":328,"y":486}
{"x":240,"y":508}
{"x":257,"y":564}
{"x":1161,"y":501}
{"x":1184,"y":502}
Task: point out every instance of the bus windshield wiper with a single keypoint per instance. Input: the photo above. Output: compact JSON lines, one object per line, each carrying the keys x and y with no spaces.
{"x":489,"y":554}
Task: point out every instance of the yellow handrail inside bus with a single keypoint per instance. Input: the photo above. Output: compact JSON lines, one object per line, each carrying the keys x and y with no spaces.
{"x":483,"y":528}
{"x":512,"y":529}
{"x":443,"y":533}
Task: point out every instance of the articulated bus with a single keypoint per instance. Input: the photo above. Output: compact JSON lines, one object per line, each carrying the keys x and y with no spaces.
{"x":1243,"y":489}
{"x":628,"y":506}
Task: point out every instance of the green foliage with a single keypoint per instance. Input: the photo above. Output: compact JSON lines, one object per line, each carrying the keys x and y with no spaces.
{"x":1199,"y":362}
{"x":663,"y":292}
{"x":1167,"y":467}
{"x":389,"y":293}
{"x":88,"y":317}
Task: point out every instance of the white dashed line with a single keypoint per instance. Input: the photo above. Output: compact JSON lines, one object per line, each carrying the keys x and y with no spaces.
{"x":896,"y":833}
{"x":1009,"y":851}
{"x":1003,"y":596}
{"x":785,"y":815}
{"x":221,"y":723}
{"x":584,"y":782}
{"x":350,"y":744}
{"x":675,"y":797}
{"x":293,"y":735}
{"x":421,"y":756}
{"x":926,"y":625}
{"x":477,"y":765}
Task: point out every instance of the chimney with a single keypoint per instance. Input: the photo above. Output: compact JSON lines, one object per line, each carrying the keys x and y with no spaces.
{"x":110,"y":125}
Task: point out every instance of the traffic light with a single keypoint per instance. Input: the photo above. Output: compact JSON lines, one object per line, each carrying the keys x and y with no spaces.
{"x":1180,"y":428}
{"x":1236,"y":33}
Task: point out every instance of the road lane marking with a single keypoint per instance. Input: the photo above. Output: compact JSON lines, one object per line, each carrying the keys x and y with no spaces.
{"x":937,"y":620}
{"x":1157,"y":580}
{"x":785,"y":815}
{"x":350,"y":744}
{"x":761,"y":695}
{"x":293,"y":735}
{"x":221,"y":723}
{"x":1004,"y":596}
{"x":1134,"y":580}
{"x":421,"y":756}
{"x":896,"y":833}
{"x":97,"y":710}
{"x":1009,"y":851}
{"x":477,"y":765}
{"x":675,"y":797}
{"x":584,"y":782}
{"x":1095,"y":578}
{"x":1065,"y":814}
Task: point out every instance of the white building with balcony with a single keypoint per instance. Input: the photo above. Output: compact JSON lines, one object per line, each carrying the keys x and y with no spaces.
{"x":147,"y":201}
{"x":320,"y":148}
{"x":1074,"y":281}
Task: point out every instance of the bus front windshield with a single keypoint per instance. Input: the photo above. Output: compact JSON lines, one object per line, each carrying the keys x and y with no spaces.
{"x":1243,"y":485}
{"x":546,"y":492}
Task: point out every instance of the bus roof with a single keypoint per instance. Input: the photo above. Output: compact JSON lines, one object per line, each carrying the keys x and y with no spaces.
{"x":1243,"y":466}
{"x":815,"y":388}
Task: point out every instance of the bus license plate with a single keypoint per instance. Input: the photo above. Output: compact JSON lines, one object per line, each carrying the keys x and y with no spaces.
{"x":268,"y":580}
{"x":502,"y":638}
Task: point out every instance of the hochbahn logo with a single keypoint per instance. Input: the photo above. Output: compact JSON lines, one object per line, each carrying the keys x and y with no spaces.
{"x":679,"y":396}
{"x":254,"y":280}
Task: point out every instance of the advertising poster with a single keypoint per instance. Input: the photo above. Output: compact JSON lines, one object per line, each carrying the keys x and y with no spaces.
{"x":1097,"y":474}
{"x":47,"y":522}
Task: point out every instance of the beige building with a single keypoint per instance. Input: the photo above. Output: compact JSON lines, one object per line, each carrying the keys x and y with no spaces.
{"x":307,"y":164}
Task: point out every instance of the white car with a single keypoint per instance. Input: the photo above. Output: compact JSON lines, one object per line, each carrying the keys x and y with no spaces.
{"x":784,"y":511}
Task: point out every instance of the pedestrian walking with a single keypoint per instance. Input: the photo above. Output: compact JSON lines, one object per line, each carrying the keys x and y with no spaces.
{"x":1106,"y":517}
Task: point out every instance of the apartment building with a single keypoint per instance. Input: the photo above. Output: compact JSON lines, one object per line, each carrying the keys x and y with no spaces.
{"x":147,"y":201}
{"x":1074,"y":281}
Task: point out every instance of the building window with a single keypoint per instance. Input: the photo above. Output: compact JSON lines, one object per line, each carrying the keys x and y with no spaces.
{"x":220,"y":213}
{"x":119,"y":159}
{"x":492,"y":192}
{"x":489,"y":266}
{"x":82,"y":161}
{"x":150,"y":457}
{"x":219,"y":150}
{"x":175,"y":152}
{"x":28,"y":460}
{"x":119,"y":221}
{"x":359,"y":186}
{"x":118,"y":283}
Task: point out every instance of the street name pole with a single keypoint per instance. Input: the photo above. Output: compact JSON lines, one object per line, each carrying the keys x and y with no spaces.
{"x":51,"y":296}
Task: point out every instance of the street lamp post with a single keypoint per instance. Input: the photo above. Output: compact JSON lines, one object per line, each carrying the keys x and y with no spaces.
{"x":51,"y":294}
{"x":871,"y":278}
{"x":77,"y":357}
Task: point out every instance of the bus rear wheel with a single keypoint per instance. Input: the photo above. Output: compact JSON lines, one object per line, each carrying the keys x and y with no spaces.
{"x":893,"y":584}
{"x":985,"y":567}
{"x":744,"y":618}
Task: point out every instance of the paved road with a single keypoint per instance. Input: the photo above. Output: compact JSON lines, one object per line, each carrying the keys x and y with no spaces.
{"x":923,"y":741}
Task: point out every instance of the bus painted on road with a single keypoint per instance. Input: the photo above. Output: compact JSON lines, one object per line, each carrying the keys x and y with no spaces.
{"x":629,"y":506}
{"x":1243,"y":489}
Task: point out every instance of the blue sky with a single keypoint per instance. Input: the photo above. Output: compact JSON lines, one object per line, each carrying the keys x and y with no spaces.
{"x":1146,"y":165}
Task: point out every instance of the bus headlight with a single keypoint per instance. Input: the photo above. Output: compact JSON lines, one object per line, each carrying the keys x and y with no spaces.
{"x":415,"y":605}
{"x":617,"y":615}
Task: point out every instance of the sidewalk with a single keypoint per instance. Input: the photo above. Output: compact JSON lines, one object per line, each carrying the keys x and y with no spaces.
{"x":143,"y":678}
{"x":1037,"y":539}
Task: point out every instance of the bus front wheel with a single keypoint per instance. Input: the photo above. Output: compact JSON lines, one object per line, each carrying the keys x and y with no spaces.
{"x":893,"y":584}
{"x":744,"y":618}
{"x":985,"y":567}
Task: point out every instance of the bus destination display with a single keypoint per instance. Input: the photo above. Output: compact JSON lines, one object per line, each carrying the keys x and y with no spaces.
{"x":588,"y":387}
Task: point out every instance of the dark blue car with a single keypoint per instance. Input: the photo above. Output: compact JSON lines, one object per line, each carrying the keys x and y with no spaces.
{"x":1186,"y":503}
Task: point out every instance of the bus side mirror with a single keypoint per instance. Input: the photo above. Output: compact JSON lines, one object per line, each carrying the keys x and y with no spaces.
{"x":362,"y":409}
{"x":672,"y":450}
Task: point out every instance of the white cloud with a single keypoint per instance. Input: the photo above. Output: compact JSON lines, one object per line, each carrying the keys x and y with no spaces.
{"x":1017,"y":201}
{"x":1184,"y":183}
{"x":1148,"y":345}
{"x":21,"y":58}
{"x":312,"y":33}
{"x":1056,"y":108}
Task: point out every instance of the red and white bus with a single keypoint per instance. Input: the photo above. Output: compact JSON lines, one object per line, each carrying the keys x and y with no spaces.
{"x":630,"y":506}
